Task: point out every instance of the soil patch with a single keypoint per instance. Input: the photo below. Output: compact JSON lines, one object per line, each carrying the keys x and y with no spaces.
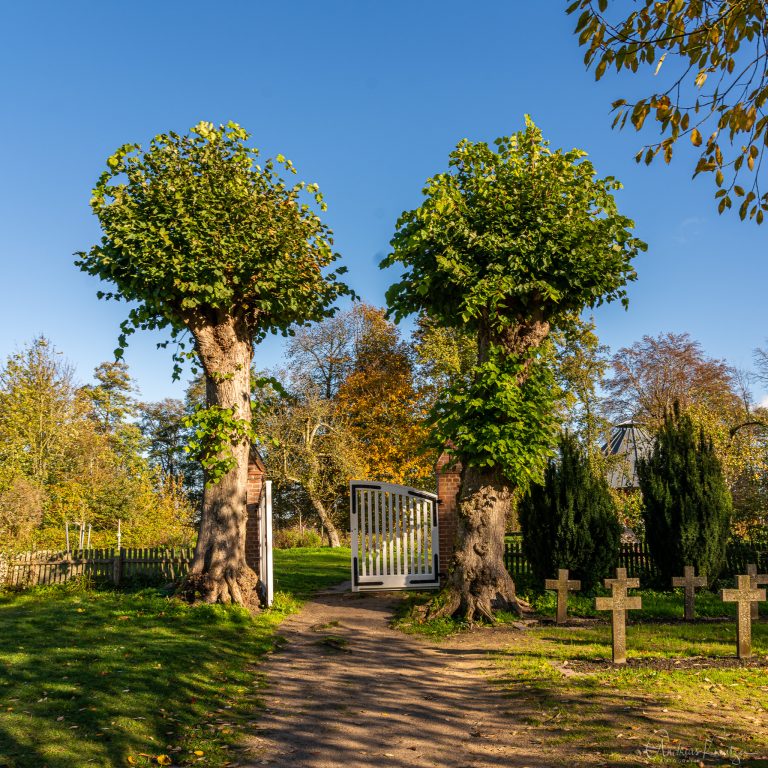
{"x":347,"y":690}
{"x":690,"y":662}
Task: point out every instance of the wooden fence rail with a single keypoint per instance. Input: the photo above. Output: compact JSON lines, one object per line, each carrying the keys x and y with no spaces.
{"x":637,"y":559}
{"x":117,"y":566}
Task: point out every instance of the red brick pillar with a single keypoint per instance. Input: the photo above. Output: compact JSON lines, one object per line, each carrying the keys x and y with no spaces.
{"x":448,"y":484}
{"x":256,"y":474}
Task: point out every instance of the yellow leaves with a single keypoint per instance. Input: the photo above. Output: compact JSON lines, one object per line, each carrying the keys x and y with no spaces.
{"x":751,"y":157}
{"x":639,"y":113}
{"x":701,"y":78}
{"x":159,"y":759}
{"x":696,"y":137}
{"x":199,"y":752}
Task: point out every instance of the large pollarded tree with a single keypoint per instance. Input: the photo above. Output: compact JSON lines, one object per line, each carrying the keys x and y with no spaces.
{"x":507,"y":244}
{"x":208,"y":243}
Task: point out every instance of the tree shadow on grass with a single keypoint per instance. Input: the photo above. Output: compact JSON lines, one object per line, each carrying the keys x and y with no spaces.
{"x":641,"y":712}
{"x":91,"y":678}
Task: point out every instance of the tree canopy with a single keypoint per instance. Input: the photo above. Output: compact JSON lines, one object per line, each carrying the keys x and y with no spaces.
{"x":652,"y":374}
{"x":711,"y":60}
{"x":507,"y":243}
{"x":509,"y":233}
{"x":195,"y":228}
{"x":59,"y":462}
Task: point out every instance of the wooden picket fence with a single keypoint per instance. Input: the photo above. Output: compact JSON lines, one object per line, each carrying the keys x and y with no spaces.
{"x":636,"y":558}
{"x":116,"y":566}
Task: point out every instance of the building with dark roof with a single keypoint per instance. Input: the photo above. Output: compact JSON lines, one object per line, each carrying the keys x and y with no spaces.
{"x":628,"y":443}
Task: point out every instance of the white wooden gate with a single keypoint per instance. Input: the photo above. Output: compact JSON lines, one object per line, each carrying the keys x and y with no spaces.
{"x":265,"y":543}
{"x":395,"y":542}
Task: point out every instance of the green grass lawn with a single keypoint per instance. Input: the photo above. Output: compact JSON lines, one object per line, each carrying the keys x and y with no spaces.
{"x":574,"y":700}
{"x":106,"y":678}
{"x":569,"y":697}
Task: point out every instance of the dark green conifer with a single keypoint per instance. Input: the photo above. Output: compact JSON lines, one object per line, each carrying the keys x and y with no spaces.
{"x":570,"y":520}
{"x":686,"y":503}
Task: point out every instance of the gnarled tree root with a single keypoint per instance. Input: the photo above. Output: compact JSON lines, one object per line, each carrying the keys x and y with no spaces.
{"x":474,"y":605}
{"x":228,"y":587}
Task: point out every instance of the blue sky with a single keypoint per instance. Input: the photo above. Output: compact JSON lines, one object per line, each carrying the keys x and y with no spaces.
{"x":367,"y":99}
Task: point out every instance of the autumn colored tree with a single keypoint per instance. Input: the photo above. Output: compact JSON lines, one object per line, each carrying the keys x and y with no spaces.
{"x":652,"y":374}
{"x":58,"y":464}
{"x":207,"y":242}
{"x":711,"y":60}
{"x":383,"y":406}
{"x":308,"y":444}
{"x":507,"y":243}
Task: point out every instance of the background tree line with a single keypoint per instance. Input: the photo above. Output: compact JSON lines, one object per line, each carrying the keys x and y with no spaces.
{"x":350,"y":401}
{"x":88,"y":454}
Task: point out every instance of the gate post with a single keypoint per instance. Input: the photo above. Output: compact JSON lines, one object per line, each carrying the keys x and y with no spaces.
{"x":448,"y":484}
{"x":256,"y":473}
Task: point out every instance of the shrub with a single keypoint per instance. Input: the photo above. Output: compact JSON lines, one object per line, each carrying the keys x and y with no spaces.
{"x":290,"y":538}
{"x":570,"y":520}
{"x":686,"y":504}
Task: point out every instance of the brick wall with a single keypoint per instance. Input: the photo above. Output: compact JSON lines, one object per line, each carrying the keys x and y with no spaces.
{"x":256,"y":472}
{"x":448,"y":483}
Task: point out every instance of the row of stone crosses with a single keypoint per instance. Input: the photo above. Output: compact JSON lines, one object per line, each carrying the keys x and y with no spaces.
{"x":747,"y":596}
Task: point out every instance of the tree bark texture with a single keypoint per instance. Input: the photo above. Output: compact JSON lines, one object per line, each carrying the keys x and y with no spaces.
{"x":325,"y":519}
{"x":478,"y":581}
{"x":219,"y":572}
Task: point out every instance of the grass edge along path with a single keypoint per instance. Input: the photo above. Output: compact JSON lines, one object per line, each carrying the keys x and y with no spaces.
{"x":108,"y":678}
{"x":683,"y":699}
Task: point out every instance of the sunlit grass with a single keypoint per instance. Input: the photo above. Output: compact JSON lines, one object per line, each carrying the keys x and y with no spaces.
{"x":564,"y":683}
{"x":106,"y":678}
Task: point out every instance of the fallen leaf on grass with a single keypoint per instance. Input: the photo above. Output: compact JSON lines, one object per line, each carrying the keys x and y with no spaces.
{"x":164,"y":760}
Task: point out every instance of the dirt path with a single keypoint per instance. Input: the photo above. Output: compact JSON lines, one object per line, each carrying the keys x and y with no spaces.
{"x":346,"y":690}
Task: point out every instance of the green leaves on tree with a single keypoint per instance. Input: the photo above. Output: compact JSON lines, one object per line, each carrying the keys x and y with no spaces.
{"x":195,"y":226}
{"x":687,"y":506}
{"x":569,"y":520}
{"x":213,"y":432}
{"x":512,"y":232}
{"x":503,"y":416}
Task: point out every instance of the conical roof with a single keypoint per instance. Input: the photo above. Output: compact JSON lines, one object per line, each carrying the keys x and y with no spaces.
{"x":627,"y":444}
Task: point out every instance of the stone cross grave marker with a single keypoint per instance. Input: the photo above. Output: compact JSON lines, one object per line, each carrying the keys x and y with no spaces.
{"x":561,"y":585}
{"x":743,"y":595}
{"x":619,"y":603}
{"x":689,"y":582}
{"x":756,"y":580}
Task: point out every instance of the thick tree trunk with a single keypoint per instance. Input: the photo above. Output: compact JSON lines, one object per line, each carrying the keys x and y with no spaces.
{"x":479,"y":582}
{"x":325,"y":519}
{"x":219,"y":572}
